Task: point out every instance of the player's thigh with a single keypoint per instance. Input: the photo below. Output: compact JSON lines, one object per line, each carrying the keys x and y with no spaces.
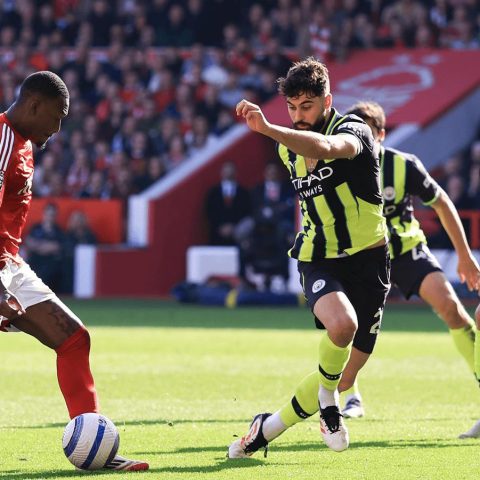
{"x":438,"y":292}
{"x":326,"y":297}
{"x":47,"y":318}
{"x":355,"y":363}
{"x":335,"y":311}
{"x":51,"y":322}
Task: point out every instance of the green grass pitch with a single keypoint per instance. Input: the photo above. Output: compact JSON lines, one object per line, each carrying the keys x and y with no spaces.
{"x":181,"y":381}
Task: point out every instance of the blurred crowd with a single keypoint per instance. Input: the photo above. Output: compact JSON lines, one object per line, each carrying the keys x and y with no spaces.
{"x":154,"y":82}
{"x":460,"y":178}
{"x":259,"y":221}
{"x":50,"y":249}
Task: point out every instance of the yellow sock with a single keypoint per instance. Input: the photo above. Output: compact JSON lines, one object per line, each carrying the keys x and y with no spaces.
{"x":332,"y":361}
{"x":464,"y":340}
{"x":304,"y":403}
{"x":477,"y":354}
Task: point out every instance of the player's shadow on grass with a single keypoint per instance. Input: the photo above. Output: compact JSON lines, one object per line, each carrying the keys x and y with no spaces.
{"x":221,"y":465}
{"x":70,"y":473}
{"x":415,"y":443}
{"x":384,"y":444}
{"x":320,"y":446}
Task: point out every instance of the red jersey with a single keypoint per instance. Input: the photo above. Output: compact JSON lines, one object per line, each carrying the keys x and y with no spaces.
{"x":16,"y":174}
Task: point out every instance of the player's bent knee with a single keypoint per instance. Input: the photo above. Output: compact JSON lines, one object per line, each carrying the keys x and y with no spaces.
{"x":343,"y":330}
{"x":79,"y":340}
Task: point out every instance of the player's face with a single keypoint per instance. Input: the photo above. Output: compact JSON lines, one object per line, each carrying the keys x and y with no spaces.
{"x":47,"y":119}
{"x":309,"y":113}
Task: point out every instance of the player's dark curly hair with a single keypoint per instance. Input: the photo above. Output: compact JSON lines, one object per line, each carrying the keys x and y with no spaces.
{"x":369,"y":111}
{"x":309,"y":77}
{"x":45,"y":83}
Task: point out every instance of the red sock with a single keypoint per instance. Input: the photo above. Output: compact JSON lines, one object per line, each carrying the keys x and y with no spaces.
{"x":74,"y":376}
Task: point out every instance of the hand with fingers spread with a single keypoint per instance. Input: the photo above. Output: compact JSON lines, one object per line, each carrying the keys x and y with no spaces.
{"x":469,"y":272}
{"x":10,"y":307}
{"x":253,"y":114}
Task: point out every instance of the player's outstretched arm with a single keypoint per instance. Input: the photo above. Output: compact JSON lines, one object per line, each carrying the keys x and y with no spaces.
{"x":468,"y":268}
{"x":302,"y":142}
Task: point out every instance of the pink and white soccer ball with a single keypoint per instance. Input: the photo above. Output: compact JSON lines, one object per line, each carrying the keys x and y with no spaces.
{"x":90,"y":441}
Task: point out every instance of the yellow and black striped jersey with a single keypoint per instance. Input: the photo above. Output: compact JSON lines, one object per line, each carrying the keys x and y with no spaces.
{"x":340,"y":199}
{"x":403,"y":176}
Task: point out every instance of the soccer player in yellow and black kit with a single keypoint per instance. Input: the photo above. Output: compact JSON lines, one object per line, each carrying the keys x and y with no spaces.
{"x":414,"y":268}
{"x":341,"y":250}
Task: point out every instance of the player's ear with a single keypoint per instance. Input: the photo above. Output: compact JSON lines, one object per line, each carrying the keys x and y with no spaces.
{"x":381,"y":135}
{"x":33,"y":104}
{"x":328,"y":101}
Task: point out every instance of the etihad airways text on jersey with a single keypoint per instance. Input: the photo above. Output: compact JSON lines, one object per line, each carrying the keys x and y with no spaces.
{"x":302,"y":183}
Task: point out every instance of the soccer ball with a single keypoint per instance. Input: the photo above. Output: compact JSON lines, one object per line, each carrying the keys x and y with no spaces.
{"x":90,"y":441}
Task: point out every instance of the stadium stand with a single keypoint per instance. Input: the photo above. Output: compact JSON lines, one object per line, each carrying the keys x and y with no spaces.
{"x":153,"y":85}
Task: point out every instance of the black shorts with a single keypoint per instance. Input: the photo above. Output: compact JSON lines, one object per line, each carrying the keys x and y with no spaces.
{"x":409,"y":269}
{"x":365,"y":280}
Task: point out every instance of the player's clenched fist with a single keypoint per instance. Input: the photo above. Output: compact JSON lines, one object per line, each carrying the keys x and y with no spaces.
{"x":253,"y":114}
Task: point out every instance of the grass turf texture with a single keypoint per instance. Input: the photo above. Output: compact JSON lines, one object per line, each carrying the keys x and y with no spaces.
{"x":180,"y":381}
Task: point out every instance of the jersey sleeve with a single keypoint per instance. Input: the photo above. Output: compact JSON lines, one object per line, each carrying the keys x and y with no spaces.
{"x":419,"y":182}
{"x":283,"y":154}
{"x":359,"y":130}
{"x":2,"y":186}
{"x":7,"y":138}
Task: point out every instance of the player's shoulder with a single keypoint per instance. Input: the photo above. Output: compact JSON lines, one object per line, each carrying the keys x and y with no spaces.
{"x":10,"y":139}
{"x":5,"y":128}
{"x":351,"y":117}
{"x":407,"y":157}
{"x":352,"y":123}
{"x":8,"y":143}
{"x":349,"y":120}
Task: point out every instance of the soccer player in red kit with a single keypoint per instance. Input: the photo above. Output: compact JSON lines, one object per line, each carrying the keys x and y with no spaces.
{"x":26,"y":303}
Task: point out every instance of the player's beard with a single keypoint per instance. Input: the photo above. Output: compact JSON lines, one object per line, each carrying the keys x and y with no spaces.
{"x":316,"y":127}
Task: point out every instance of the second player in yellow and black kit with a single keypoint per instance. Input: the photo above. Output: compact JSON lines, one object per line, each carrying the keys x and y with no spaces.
{"x":415,"y":270}
{"x":403,"y":177}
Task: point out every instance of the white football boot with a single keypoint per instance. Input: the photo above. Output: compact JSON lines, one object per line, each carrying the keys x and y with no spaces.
{"x":334,"y":431}
{"x":353,"y":408}
{"x":474,"y":432}
{"x":254,"y":440}
{"x":122,"y":463}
